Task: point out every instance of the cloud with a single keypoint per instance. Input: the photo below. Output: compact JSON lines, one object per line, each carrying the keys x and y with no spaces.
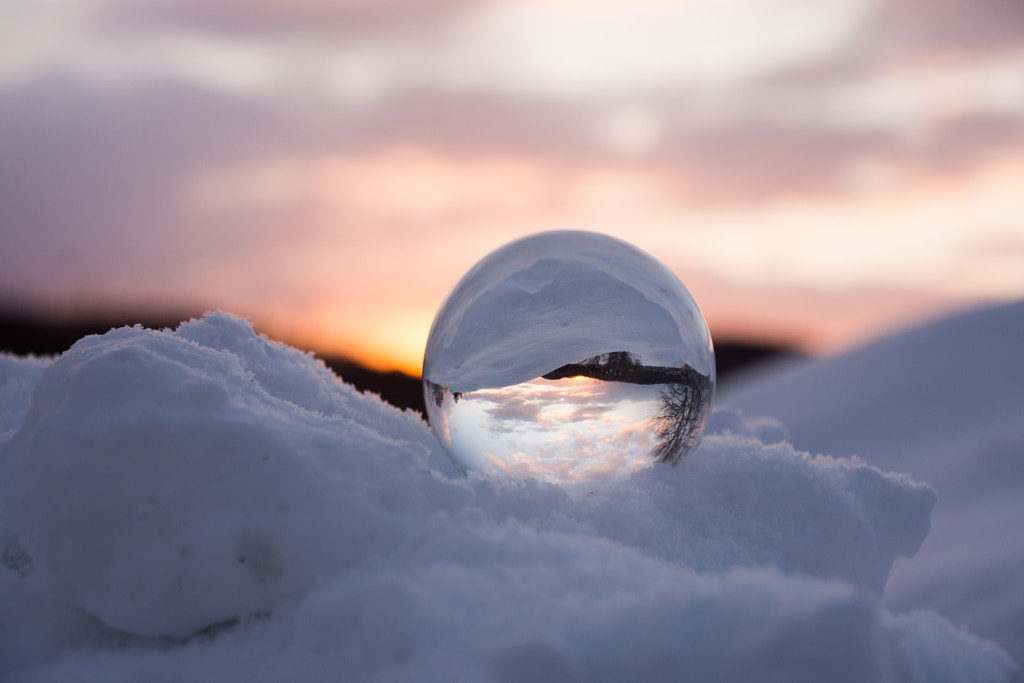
{"x":901,"y":33}
{"x":320,"y":159}
{"x":306,"y":18}
{"x":754,"y":161}
{"x":658,"y":45}
{"x":182,"y":196}
{"x":961,"y":26}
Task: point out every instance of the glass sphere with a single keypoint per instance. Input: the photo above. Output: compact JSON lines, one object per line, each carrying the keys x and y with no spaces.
{"x":569,"y":357}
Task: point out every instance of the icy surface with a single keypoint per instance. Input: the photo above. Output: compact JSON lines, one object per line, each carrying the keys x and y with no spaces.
{"x":944,"y":403}
{"x":208,"y":480}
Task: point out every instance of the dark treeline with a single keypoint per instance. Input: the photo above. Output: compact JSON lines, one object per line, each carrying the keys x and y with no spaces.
{"x":24,"y":334}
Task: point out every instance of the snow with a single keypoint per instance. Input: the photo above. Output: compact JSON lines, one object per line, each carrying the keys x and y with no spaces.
{"x":208,"y":505}
{"x":944,"y":403}
{"x":17,"y":377}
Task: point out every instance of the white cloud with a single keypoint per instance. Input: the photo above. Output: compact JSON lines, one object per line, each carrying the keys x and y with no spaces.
{"x":570,"y":49}
{"x":562,"y":50}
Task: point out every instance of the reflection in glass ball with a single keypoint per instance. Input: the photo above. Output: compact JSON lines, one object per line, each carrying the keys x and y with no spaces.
{"x":569,"y":357}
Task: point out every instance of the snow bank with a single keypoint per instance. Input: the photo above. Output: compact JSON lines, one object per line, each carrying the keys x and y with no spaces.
{"x":18,"y":375}
{"x":209,"y":481}
{"x":165,"y":484}
{"x":944,"y":403}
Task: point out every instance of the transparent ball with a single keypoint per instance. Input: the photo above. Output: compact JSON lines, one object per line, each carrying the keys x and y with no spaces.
{"x":569,"y":357}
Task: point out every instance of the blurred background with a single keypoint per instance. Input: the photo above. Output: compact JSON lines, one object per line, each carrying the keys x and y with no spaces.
{"x":816,"y":173}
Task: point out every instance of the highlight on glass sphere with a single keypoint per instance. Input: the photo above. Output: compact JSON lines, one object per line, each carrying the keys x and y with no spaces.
{"x":568,"y":357}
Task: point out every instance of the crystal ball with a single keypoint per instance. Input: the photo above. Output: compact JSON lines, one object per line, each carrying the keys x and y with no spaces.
{"x":568,"y":357}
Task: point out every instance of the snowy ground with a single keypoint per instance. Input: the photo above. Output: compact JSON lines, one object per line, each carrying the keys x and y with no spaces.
{"x":207,"y":505}
{"x":945,"y":404}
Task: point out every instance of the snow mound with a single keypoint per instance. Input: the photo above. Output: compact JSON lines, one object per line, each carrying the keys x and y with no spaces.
{"x":231,"y":485}
{"x":210,"y":481}
{"x":18,"y":376}
{"x":944,"y":403}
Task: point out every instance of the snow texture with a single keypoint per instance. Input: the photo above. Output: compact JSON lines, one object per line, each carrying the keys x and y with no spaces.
{"x":208,"y":505}
{"x":562,"y":297}
{"x":944,"y":403}
{"x":18,"y":375}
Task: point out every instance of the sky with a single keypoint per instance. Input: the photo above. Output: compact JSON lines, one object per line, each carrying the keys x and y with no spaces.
{"x":815,"y":173}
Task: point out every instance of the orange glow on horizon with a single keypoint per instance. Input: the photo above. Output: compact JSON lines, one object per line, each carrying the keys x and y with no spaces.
{"x":383,"y":343}
{"x":760,"y":272}
{"x":804,"y":321}
{"x":385,"y":234}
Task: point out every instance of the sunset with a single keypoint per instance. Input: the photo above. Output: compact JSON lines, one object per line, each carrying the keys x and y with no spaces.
{"x":511,"y":341}
{"x":817,"y":174}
